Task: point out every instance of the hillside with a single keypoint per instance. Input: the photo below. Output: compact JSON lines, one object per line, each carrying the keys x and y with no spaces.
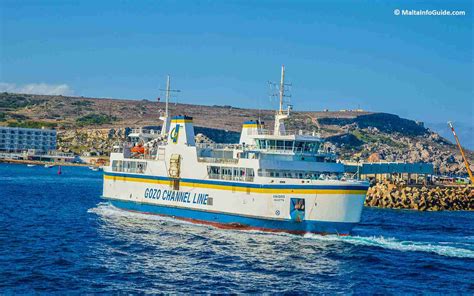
{"x":92,"y":124}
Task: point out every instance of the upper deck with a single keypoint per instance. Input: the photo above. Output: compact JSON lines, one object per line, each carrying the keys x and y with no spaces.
{"x":261,"y":152}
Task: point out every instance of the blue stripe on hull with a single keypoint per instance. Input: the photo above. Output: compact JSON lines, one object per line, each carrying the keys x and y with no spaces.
{"x":236,"y":221}
{"x":242,"y":184}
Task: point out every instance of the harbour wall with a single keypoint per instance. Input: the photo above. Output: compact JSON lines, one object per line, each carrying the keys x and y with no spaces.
{"x":387,"y":194}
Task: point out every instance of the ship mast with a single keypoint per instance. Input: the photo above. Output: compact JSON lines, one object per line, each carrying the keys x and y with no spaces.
{"x":282,"y":88}
{"x":168,"y":86}
{"x":279,"y":128}
{"x":165,"y":118}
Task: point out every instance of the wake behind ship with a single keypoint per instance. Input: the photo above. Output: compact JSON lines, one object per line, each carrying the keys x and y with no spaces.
{"x":272,"y":180}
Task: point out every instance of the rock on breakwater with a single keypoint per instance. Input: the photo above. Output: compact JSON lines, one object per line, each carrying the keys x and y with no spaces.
{"x":421,"y":198}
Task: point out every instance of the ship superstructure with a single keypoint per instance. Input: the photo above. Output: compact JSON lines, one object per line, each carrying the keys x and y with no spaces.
{"x":271,"y":180}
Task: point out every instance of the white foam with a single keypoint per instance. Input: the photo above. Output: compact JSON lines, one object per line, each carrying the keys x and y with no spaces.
{"x":105,"y":209}
{"x":394,"y":244}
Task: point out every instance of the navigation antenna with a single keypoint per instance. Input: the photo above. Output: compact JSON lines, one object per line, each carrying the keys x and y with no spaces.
{"x":281,"y":91}
{"x":165,"y":118}
{"x":168,"y":91}
{"x":281,"y":115}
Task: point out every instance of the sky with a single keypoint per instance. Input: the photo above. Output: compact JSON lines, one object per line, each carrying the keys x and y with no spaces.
{"x":337,"y":54}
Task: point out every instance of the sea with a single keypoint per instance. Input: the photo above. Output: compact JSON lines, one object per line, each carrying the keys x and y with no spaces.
{"x":57,"y":236}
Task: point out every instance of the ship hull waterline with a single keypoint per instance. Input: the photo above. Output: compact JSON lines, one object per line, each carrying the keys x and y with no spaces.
{"x":327,"y":212}
{"x":229,"y":221}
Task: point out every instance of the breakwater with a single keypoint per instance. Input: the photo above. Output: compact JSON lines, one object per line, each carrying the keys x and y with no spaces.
{"x":421,"y":198}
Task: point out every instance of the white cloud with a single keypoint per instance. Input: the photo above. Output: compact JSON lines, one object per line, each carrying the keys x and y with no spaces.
{"x":36,"y":88}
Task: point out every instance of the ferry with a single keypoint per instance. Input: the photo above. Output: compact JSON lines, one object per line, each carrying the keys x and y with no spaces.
{"x":277,"y":181}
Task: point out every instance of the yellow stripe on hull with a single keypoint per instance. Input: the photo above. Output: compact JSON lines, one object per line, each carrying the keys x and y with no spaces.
{"x":238,"y":188}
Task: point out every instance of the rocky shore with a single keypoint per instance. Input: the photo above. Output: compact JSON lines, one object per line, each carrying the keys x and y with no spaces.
{"x":421,"y":198}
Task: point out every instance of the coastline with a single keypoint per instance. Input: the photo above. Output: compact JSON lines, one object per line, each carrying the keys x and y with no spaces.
{"x":37,"y":162}
{"x":382,"y":195}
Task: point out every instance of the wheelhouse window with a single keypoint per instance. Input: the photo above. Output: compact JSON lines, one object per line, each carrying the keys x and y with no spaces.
{"x":287,"y":145}
{"x":137,"y":167}
{"x":308,"y":175}
{"x":231,"y":173}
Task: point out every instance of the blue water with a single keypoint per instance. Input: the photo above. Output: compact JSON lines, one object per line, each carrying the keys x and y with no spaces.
{"x":58,"y":236}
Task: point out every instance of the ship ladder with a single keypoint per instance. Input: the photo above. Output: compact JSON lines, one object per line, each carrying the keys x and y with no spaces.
{"x":175,"y":170}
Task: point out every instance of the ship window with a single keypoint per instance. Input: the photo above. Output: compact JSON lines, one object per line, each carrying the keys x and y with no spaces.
{"x":230,"y":173}
{"x":129,"y":166}
{"x":141,"y":167}
{"x":291,"y":174}
{"x":214,"y":172}
{"x":298,"y":146}
{"x":116,"y":164}
{"x":237,"y":174}
{"x":227,"y":173}
{"x":250,"y":173}
{"x":271,"y":144}
{"x":133,"y":166}
{"x":280,"y":145}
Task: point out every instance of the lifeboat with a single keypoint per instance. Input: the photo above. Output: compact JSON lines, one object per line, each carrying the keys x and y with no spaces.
{"x":138,"y":149}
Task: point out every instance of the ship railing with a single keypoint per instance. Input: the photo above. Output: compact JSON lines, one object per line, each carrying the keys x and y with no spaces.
{"x":148,"y":131}
{"x":146,"y":156}
{"x":291,"y":132}
{"x":272,"y":149}
{"x":218,"y":160}
{"x":291,"y":150}
{"x":217,"y":146}
{"x":231,"y":177}
{"x":282,"y":150}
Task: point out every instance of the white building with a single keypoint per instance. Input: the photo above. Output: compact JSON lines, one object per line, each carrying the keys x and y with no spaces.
{"x":15,"y":139}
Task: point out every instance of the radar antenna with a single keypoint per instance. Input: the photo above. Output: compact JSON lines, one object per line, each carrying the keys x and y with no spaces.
{"x":280,"y":116}
{"x":168,"y":91}
{"x":281,"y":91}
{"x":165,"y":117}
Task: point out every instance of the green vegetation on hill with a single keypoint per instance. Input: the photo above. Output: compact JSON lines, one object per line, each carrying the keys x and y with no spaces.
{"x":384,"y":122}
{"x":218,"y":136}
{"x":11,"y":101}
{"x":95,"y":119}
{"x":374,"y":138}
{"x":5,"y":116}
{"x":32,"y":124}
{"x":82,"y":103}
{"x":349,"y":141}
{"x":17,"y":117}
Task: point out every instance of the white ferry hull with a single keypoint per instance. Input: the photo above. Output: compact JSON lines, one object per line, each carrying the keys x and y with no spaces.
{"x":329,"y":206}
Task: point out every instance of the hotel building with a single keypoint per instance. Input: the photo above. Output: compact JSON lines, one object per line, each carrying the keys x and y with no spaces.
{"x":15,"y":139}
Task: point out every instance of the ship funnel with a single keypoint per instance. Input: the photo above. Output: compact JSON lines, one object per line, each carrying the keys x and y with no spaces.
{"x":181,"y":131}
{"x":249,"y":130}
